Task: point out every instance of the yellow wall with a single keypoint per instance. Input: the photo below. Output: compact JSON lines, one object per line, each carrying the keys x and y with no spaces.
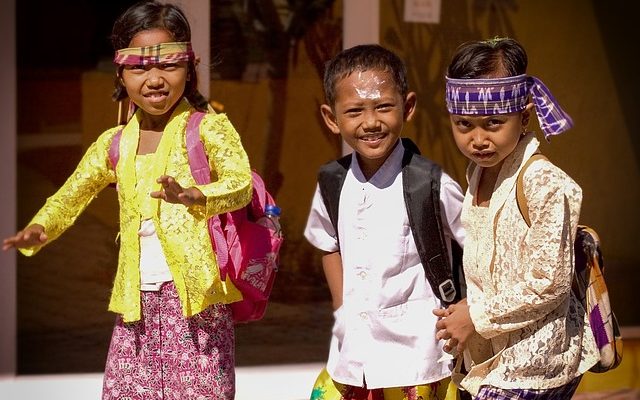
{"x":625,"y":376}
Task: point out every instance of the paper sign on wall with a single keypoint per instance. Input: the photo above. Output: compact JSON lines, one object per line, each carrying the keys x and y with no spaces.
{"x":425,"y":11}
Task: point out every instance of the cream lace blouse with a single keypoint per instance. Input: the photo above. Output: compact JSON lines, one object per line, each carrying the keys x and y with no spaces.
{"x":533,"y":333}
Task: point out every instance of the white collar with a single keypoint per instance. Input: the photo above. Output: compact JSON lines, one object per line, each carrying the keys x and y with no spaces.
{"x":386,"y":174}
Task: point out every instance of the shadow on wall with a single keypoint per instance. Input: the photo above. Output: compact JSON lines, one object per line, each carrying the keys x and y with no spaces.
{"x":617,"y":26}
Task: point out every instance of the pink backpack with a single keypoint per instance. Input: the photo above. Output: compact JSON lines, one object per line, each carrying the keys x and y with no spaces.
{"x":246,"y":251}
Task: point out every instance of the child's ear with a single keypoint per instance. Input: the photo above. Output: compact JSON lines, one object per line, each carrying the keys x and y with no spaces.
{"x":526,"y":115}
{"x":410,"y":103}
{"x":329,"y":118}
{"x":119,"y":75}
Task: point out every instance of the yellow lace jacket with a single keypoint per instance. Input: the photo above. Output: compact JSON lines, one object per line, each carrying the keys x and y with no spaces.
{"x":181,"y":230}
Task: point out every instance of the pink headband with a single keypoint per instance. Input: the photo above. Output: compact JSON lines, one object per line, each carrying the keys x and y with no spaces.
{"x":162,"y":53}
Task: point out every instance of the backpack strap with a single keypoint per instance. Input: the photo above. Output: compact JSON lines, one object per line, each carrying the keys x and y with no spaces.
{"x":114,"y":149}
{"x":198,"y":161}
{"x":195,"y":149}
{"x":114,"y":153}
{"x":520,"y":197}
{"x":421,"y":181}
{"x":201,"y":172}
{"x":261,"y":197}
{"x":330,"y":179}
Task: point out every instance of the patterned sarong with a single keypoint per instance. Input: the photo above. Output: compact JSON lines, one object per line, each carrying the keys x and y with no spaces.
{"x":168,"y":356}
{"x":326,"y":388}
{"x":564,"y":392}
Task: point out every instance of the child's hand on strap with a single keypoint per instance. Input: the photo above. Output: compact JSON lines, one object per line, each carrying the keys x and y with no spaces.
{"x":31,"y":236}
{"x":172,"y":192}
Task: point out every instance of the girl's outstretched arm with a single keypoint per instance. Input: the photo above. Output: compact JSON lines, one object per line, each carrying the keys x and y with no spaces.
{"x":31,"y":236}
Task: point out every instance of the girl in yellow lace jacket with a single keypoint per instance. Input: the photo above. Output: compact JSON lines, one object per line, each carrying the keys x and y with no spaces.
{"x":173,"y":325}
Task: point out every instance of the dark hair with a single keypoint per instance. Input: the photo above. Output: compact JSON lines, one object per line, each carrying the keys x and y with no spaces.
{"x":493,"y":58}
{"x":363,"y":58}
{"x":146,"y":15}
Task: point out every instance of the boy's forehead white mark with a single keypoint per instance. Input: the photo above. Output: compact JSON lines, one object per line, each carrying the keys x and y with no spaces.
{"x":367,"y":85}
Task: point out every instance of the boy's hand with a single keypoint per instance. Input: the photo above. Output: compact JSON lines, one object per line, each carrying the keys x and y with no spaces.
{"x":31,"y":236}
{"x":455,"y":325}
{"x":172,"y":192}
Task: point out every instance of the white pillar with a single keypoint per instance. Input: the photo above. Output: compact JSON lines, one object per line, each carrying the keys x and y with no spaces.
{"x":360,"y":25}
{"x":8,"y":193}
{"x":361,"y":22}
{"x":198,"y":13}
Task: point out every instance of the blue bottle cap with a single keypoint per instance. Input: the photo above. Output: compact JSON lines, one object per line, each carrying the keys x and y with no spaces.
{"x":272,"y":209}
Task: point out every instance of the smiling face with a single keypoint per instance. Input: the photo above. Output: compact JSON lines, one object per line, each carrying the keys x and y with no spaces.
{"x":155,"y":88}
{"x":488,"y":139}
{"x":369,"y":112}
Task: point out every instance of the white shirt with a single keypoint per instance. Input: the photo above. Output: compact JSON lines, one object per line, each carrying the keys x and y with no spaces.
{"x":384,"y":332}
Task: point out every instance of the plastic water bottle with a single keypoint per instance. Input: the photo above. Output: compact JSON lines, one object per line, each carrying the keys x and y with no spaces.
{"x":271,"y":218}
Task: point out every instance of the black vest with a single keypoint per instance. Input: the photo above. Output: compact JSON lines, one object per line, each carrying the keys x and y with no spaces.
{"x":421,"y":186}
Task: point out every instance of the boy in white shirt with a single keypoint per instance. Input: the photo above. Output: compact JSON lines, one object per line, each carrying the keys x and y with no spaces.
{"x":388,"y":243}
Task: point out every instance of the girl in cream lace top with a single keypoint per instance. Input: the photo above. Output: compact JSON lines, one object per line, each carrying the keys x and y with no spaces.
{"x":521,"y":331}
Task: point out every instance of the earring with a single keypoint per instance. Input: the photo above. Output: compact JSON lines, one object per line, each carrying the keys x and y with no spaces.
{"x":120,"y":112}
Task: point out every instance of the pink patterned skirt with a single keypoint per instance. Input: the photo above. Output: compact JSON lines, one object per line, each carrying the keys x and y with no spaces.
{"x":168,"y":356}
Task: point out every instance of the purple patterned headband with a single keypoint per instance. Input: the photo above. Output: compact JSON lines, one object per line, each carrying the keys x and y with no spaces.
{"x":507,"y":95}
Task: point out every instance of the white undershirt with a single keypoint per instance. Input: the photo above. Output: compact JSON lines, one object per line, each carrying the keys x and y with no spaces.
{"x":154,"y":270}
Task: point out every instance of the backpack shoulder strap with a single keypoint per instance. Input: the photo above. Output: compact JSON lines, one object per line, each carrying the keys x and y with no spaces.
{"x":520,"y":197}
{"x":199,"y":165}
{"x":421,"y":182}
{"x":198,"y":161}
{"x":261,"y":196}
{"x":330,"y":179}
{"x":195,"y":149}
{"x":114,"y":148}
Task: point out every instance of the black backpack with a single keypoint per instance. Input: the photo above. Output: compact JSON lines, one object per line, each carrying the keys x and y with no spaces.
{"x":421,"y":185}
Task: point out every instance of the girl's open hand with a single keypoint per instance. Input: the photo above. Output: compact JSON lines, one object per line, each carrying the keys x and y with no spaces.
{"x":172,"y":192}
{"x":31,"y":236}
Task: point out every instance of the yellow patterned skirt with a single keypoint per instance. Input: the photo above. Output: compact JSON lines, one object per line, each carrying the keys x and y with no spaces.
{"x":326,"y":388}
